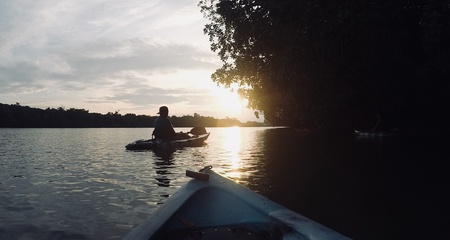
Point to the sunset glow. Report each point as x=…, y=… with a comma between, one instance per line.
x=230, y=102
x=125, y=56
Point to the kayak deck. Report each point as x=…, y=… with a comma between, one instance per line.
x=218, y=208
x=235, y=218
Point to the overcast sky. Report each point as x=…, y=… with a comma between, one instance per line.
x=130, y=56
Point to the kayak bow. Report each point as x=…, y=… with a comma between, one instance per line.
x=214, y=207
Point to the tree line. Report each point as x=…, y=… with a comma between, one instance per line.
x=321, y=64
x=17, y=116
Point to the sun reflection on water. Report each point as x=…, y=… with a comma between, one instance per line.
x=232, y=144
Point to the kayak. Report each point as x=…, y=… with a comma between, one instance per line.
x=211, y=206
x=152, y=144
x=372, y=134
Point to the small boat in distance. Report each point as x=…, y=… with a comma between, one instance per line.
x=376, y=134
x=214, y=207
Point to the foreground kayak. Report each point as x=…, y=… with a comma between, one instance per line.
x=152, y=144
x=214, y=207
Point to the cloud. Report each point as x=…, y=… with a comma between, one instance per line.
x=101, y=54
x=38, y=25
x=93, y=41
x=102, y=62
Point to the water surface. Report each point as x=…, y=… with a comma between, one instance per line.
x=83, y=184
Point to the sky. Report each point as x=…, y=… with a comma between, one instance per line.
x=130, y=56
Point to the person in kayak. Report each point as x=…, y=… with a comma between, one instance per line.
x=163, y=126
x=379, y=126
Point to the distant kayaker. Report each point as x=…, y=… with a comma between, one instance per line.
x=163, y=126
x=379, y=126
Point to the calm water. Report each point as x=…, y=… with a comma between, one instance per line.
x=83, y=184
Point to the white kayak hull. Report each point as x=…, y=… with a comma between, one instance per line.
x=214, y=207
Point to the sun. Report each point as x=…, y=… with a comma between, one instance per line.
x=229, y=101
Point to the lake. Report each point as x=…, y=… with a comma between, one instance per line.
x=83, y=184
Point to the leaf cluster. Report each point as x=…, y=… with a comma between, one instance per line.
x=333, y=64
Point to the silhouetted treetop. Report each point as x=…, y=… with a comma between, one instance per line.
x=334, y=64
x=17, y=116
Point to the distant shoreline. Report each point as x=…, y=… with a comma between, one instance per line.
x=17, y=116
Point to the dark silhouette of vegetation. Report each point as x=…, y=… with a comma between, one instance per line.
x=336, y=65
x=17, y=116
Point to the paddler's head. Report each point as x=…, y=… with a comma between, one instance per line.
x=163, y=111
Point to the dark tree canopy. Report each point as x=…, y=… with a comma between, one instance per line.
x=334, y=64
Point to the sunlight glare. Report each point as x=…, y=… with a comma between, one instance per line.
x=230, y=102
x=233, y=144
